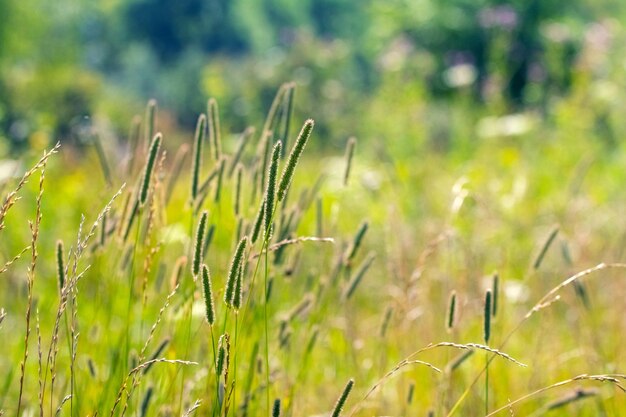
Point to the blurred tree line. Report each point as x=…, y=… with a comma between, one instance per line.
x=63, y=62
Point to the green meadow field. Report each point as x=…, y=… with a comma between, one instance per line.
x=326, y=227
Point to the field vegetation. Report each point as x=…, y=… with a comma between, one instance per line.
x=423, y=222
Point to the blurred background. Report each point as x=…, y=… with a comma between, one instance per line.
x=401, y=73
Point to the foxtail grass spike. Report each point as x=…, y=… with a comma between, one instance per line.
x=576, y=395
x=256, y=229
x=270, y=193
x=145, y=403
x=276, y=408
x=265, y=148
x=349, y=155
x=409, y=397
x=234, y=271
x=60, y=265
x=356, y=243
x=496, y=290
x=197, y=251
x=208, y=295
x=545, y=247
x=103, y=229
x=238, y=178
x=342, y=400
x=214, y=129
x=222, y=352
x=294, y=157
x=358, y=276
x=150, y=120
x=152, y=155
x=220, y=177
x=487, y=317
x=157, y=352
x=459, y=360
x=197, y=155
x=451, y=311
x=238, y=295
x=581, y=292
x=386, y=319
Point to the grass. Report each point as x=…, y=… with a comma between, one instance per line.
x=314, y=280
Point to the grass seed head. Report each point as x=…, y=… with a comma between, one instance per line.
x=349, y=155
x=487, y=317
x=197, y=155
x=150, y=121
x=294, y=157
x=238, y=179
x=208, y=295
x=147, y=176
x=276, y=408
x=451, y=311
x=214, y=129
x=270, y=193
x=342, y=399
x=60, y=265
x=199, y=245
x=496, y=291
x=356, y=243
x=231, y=283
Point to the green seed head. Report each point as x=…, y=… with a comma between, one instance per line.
x=208, y=295
x=197, y=252
x=237, y=297
x=151, y=109
x=214, y=128
x=358, y=276
x=147, y=176
x=233, y=273
x=294, y=157
x=349, y=154
x=276, y=408
x=223, y=347
x=270, y=193
x=356, y=243
x=238, y=179
x=487, y=316
x=197, y=155
x=342, y=400
x=60, y=265
x=496, y=290
x=451, y=311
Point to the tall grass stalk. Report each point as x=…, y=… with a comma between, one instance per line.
x=214, y=128
x=197, y=156
x=487, y=335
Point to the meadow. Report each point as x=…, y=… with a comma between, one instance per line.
x=150, y=279
x=382, y=208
